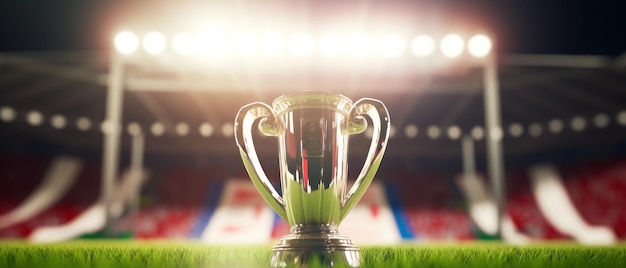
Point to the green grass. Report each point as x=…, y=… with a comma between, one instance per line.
x=98, y=253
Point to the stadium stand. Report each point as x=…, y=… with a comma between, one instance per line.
x=181, y=197
x=430, y=207
x=92, y=219
x=482, y=209
x=598, y=191
x=557, y=207
x=59, y=177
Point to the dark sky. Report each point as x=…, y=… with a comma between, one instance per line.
x=530, y=26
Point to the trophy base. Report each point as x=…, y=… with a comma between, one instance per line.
x=319, y=244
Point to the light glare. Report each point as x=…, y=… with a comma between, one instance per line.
x=245, y=44
x=184, y=44
x=301, y=45
x=206, y=130
x=452, y=45
x=479, y=46
x=58, y=121
x=423, y=46
x=391, y=45
x=83, y=123
x=214, y=42
x=126, y=42
x=332, y=45
x=273, y=44
x=154, y=43
x=361, y=45
x=7, y=114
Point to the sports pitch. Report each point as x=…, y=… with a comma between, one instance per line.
x=99, y=253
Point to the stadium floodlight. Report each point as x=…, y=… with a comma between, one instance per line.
x=391, y=45
x=433, y=132
x=423, y=45
x=7, y=114
x=228, y=130
x=272, y=43
x=134, y=129
x=301, y=45
x=245, y=44
x=214, y=42
x=184, y=44
x=478, y=133
x=206, y=130
x=58, y=121
x=154, y=43
x=332, y=45
x=411, y=131
x=157, y=129
x=361, y=45
x=556, y=125
x=578, y=123
x=126, y=42
x=535, y=129
x=601, y=120
x=479, y=46
x=621, y=118
x=34, y=118
x=454, y=132
x=182, y=129
x=452, y=45
x=83, y=123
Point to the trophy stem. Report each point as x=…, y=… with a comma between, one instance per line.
x=315, y=244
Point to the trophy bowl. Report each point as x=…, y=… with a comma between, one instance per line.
x=313, y=130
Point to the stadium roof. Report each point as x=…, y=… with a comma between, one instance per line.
x=68, y=76
x=73, y=84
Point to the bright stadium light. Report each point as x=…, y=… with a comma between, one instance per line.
x=206, y=130
x=535, y=129
x=433, y=132
x=601, y=120
x=556, y=125
x=134, y=129
x=301, y=45
x=423, y=46
x=245, y=44
x=83, y=123
x=621, y=118
x=228, y=130
x=578, y=123
x=361, y=45
x=391, y=45
x=7, y=114
x=154, y=43
x=58, y=121
x=454, y=132
x=214, y=42
x=452, y=45
x=272, y=43
x=157, y=129
x=411, y=131
x=34, y=118
x=478, y=133
x=332, y=45
x=126, y=42
x=479, y=46
x=184, y=44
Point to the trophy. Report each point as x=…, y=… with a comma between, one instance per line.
x=313, y=130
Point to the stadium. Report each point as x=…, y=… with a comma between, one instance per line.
x=121, y=139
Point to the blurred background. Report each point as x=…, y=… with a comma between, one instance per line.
x=183, y=69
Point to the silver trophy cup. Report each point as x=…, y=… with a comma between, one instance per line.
x=313, y=130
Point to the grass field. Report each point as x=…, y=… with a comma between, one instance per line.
x=97, y=253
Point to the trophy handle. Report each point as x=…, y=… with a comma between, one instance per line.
x=246, y=117
x=377, y=112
